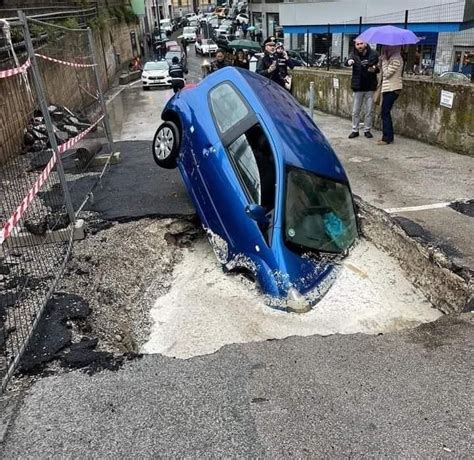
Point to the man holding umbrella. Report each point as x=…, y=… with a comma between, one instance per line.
x=364, y=62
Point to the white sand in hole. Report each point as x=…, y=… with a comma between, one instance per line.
x=206, y=309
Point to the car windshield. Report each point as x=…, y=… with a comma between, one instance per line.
x=160, y=65
x=319, y=214
x=189, y=30
x=208, y=42
x=172, y=54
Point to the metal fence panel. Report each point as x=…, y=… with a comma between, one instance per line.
x=53, y=124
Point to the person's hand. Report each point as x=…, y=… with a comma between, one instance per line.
x=272, y=68
x=371, y=69
x=350, y=62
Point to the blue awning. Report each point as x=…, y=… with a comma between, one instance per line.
x=354, y=28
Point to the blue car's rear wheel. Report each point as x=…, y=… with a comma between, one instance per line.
x=166, y=145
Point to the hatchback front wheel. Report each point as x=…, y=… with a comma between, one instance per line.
x=166, y=145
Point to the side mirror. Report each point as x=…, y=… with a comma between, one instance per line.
x=257, y=213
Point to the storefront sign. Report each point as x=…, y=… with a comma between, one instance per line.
x=447, y=98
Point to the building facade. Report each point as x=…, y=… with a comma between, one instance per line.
x=445, y=27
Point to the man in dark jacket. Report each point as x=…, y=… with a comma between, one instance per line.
x=219, y=62
x=176, y=72
x=364, y=63
x=270, y=65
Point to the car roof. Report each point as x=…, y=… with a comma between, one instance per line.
x=304, y=145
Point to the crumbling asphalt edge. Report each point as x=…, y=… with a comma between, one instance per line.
x=447, y=286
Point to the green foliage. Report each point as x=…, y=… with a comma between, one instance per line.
x=123, y=14
x=70, y=23
x=16, y=34
x=100, y=22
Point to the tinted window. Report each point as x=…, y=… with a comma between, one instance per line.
x=227, y=106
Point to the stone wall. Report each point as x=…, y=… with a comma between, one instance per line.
x=61, y=85
x=416, y=114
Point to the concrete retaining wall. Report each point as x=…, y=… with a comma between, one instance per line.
x=417, y=113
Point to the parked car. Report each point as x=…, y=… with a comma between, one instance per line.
x=223, y=41
x=189, y=33
x=172, y=44
x=297, y=58
x=179, y=54
x=205, y=46
x=159, y=37
x=165, y=24
x=454, y=77
x=268, y=188
x=155, y=73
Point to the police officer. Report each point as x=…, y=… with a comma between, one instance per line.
x=267, y=64
x=176, y=72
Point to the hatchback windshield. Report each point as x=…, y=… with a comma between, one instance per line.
x=319, y=214
x=189, y=30
x=160, y=65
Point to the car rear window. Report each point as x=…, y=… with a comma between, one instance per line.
x=227, y=106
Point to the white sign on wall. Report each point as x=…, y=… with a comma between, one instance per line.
x=447, y=98
x=335, y=82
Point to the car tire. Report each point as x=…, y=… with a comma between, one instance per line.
x=166, y=144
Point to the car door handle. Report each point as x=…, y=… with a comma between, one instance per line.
x=207, y=151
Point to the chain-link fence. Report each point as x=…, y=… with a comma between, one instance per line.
x=53, y=126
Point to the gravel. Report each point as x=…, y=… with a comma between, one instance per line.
x=121, y=271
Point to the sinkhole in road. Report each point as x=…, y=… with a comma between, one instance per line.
x=205, y=309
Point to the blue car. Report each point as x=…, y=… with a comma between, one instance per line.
x=268, y=188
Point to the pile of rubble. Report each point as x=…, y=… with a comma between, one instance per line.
x=66, y=125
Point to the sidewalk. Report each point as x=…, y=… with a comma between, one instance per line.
x=414, y=182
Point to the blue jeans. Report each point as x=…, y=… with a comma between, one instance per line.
x=387, y=125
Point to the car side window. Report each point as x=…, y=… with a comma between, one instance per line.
x=245, y=163
x=253, y=160
x=227, y=106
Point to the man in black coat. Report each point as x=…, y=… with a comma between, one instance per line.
x=270, y=65
x=364, y=63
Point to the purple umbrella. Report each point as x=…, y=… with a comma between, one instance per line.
x=388, y=35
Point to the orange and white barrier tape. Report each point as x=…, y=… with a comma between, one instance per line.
x=15, y=71
x=21, y=209
x=59, y=61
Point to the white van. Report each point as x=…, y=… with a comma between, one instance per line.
x=165, y=25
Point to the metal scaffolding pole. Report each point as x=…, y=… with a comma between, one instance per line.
x=108, y=130
x=40, y=92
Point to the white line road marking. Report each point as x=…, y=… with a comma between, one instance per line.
x=419, y=208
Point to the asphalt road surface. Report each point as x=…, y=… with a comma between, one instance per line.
x=391, y=396
x=403, y=395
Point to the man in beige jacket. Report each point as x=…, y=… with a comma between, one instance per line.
x=392, y=68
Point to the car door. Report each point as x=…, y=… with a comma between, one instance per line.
x=230, y=172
